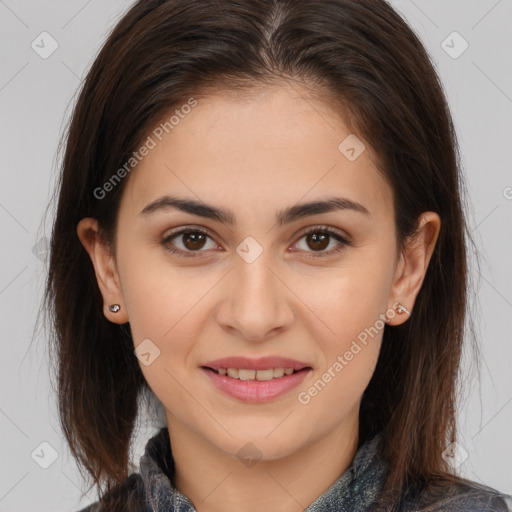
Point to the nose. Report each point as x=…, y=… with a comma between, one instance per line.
x=256, y=301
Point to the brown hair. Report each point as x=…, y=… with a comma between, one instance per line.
x=360, y=52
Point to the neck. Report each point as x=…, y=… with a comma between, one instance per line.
x=215, y=480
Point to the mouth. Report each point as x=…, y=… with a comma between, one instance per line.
x=259, y=375
x=255, y=380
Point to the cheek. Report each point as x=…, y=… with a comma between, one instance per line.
x=157, y=294
x=350, y=347
x=349, y=297
x=338, y=389
x=349, y=304
x=160, y=302
x=165, y=304
x=161, y=306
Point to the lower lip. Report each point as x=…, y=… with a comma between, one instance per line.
x=256, y=390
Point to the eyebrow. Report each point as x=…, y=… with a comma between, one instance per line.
x=285, y=216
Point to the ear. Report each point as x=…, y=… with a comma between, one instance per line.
x=104, y=267
x=412, y=266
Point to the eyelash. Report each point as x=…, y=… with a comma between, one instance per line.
x=325, y=230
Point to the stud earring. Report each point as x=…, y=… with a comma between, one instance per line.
x=401, y=309
x=114, y=308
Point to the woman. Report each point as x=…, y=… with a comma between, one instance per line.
x=260, y=224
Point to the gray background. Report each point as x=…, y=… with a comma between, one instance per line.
x=36, y=95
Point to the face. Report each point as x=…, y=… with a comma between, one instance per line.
x=311, y=287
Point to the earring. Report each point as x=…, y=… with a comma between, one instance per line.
x=114, y=308
x=402, y=309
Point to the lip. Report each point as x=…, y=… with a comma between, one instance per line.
x=262, y=363
x=254, y=390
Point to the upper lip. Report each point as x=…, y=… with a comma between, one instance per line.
x=262, y=363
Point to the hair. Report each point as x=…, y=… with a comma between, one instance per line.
x=362, y=58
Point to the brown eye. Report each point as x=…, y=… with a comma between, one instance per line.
x=193, y=240
x=318, y=239
x=187, y=242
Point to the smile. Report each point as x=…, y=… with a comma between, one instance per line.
x=248, y=374
x=249, y=385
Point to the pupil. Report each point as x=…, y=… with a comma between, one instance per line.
x=196, y=240
x=320, y=240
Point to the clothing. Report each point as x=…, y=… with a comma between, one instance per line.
x=355, y=490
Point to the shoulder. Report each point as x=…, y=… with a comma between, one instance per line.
x=463, y=496
x=129, y=496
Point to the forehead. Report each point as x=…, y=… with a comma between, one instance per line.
x=281, y=145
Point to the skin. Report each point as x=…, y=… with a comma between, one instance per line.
x=255, y=157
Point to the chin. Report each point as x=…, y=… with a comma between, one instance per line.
x=256, y=443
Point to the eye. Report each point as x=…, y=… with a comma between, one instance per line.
x=319, y=238
x=193, y=240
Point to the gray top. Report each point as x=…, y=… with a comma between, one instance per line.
x=356, y=490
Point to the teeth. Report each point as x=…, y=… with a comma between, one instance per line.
x=265, y=374
x=278, y=372
x=245, y=374
x=232, y=372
